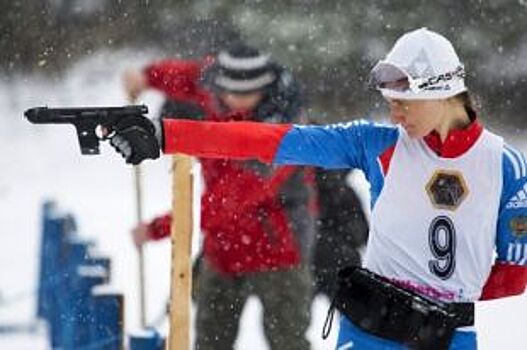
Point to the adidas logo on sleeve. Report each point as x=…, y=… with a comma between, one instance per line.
x=519, y=200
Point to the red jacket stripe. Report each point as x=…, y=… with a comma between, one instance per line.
x=224, y=140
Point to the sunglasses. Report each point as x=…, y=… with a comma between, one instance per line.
x=398, y=85
x=420, y=84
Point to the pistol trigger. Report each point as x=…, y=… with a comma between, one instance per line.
x=104, y=133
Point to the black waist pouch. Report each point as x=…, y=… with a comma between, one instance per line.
x=379, y=307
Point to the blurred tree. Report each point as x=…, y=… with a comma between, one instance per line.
x=330, y=45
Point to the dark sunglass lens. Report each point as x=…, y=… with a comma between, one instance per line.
x=398, y=85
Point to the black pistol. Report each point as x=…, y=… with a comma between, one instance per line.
x=86, y=120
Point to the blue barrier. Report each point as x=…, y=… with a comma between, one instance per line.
x=68, y=272
x=82, y=313
x=76, y=316
x=56, y=231
x=148, y=339
x=73, y=255
x=52, y=239
x=108, y=317
x=103, y=261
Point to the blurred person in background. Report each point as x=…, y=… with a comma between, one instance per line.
x=342, y=228
x=257, y=228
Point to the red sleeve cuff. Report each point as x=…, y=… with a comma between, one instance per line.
x=505, y=280
x=233, y=140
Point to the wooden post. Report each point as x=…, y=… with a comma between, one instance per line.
x=181, y=271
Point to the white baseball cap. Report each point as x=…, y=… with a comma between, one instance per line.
x=422, y=65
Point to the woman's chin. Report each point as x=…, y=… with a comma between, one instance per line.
x=411, y=131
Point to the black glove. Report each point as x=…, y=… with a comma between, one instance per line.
x=135, y=139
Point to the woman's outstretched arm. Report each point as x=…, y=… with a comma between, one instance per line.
x=331, y=146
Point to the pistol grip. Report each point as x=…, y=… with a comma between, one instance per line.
x=88, y=139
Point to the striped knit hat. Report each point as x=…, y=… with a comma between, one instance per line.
x=243, y=69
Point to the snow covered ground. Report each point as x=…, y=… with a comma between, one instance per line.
x=40, y=162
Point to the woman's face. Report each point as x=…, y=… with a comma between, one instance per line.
x=417, y=117
x=241, y=102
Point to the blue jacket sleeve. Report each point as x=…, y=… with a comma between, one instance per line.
x=511, y=239
x=349, y=145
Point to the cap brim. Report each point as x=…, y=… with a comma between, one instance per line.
x=423, y=95
x=384, y=72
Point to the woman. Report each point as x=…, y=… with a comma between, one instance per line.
x=446, y=194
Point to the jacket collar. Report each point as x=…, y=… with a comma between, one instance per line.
x=457, y=142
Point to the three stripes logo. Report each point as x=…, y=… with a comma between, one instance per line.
x=518, y=162
x=519, y=200
x=517, y=253
x=519, y=166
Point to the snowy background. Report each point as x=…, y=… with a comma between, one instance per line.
x=42, y=162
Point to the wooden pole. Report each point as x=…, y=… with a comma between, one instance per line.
x=181, y=272
x=140, y=256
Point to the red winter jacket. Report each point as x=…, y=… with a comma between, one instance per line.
x=246, y=225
